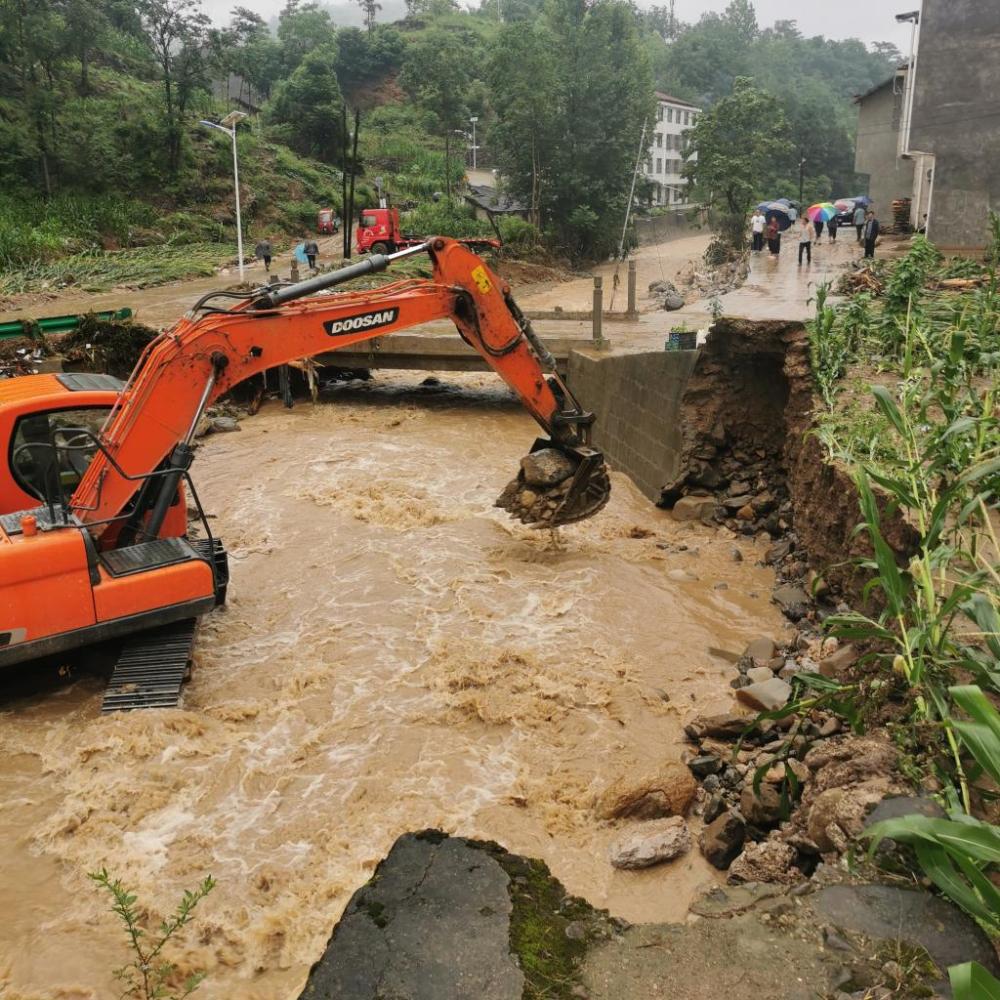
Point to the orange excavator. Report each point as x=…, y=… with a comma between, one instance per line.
x=114, y=559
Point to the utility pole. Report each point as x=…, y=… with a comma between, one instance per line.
x=474, y=119
x=228, y=125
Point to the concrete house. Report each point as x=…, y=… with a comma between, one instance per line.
x=880, y=119
x=940, y=113
x=663, y=167
x=954, y=124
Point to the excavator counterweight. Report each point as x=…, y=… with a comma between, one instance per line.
x=113, y=559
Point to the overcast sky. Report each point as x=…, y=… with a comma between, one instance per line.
x=869, y=20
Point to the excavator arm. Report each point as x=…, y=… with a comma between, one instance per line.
x=145, y=446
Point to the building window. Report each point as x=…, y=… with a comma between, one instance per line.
x=659, y=113
x=659, y=140
x=677, y=194
x=670, y=114
x=659, y=166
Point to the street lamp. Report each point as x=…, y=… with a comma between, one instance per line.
x=474, y=146
x=228, y=125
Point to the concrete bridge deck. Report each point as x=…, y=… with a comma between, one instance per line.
x=438, y=350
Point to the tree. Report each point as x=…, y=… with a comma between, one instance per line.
x=743, y=18
x=302, y=28
x=574, y=163
x=520, y=69
x=436, y=74
x=370, y=9
x=364, y=59
x=733, y=149
x=175, y=31
x=306, y=109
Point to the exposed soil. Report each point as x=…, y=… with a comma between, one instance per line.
x=747, y=416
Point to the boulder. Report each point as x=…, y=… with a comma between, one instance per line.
x=672, y=302
x=765, y=696
x=760, y=650
x=651, y=843
x=722, y=840
x=693, y=508
x=758, y=675
x=761, y=808
x=667, y=791
x=222, y=425
x=704, y=765
x=546, y=468
x=769, y=861
x=837, y=664
x=722, y=727
x=794, y=601
x=777, y=552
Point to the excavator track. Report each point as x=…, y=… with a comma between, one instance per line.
x=151, y=668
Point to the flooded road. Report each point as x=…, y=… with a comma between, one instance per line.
x=396, y=654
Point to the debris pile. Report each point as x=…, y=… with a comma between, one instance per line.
x=666, y=296
x=543, y=493
x=111, y=346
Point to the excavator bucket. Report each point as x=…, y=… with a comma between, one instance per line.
x=557, y=485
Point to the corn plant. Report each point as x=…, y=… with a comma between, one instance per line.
x=147, y=976
x=829, y=349
x=970, y=981
x=959, y=854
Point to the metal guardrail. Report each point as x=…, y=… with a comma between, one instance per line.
x=58, y=324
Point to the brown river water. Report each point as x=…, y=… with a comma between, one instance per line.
x=396, y=654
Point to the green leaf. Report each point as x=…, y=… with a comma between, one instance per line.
x=888, y=406
x=970, y=981
x=975, y=704
x=941, y=870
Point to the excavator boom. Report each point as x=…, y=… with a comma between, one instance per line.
x=115, y=560
x=210, y=351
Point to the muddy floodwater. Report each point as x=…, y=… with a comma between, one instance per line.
x=396, y=654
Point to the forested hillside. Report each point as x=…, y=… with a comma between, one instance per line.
x=100, y=101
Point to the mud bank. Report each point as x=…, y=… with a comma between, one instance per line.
x=747, y=412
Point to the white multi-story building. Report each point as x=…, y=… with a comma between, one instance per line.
x=666, y=160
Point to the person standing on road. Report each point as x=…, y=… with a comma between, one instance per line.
x=818, y=226
x=872, y=230
x=757, y=223
x=312, y=251
x=831, y=228
x=263, y=252
x=859, y=221
x=774, y=237
x=805, y=241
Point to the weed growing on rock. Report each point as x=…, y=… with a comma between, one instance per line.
x=147, y=976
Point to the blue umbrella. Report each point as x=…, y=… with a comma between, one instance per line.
x=862, y=200
x=777, y=210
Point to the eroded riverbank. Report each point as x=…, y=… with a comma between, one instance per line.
x=396, y=654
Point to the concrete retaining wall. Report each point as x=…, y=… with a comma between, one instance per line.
x=637, y=399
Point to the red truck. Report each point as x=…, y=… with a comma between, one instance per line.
x=379, y=231
x=327, y=221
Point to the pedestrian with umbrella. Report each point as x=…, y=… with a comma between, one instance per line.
x=872, y=230
x=773, y=236
x=820, y=213
x=859, y=219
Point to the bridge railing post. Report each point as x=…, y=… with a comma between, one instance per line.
x=631, y=288
x=597, y=316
